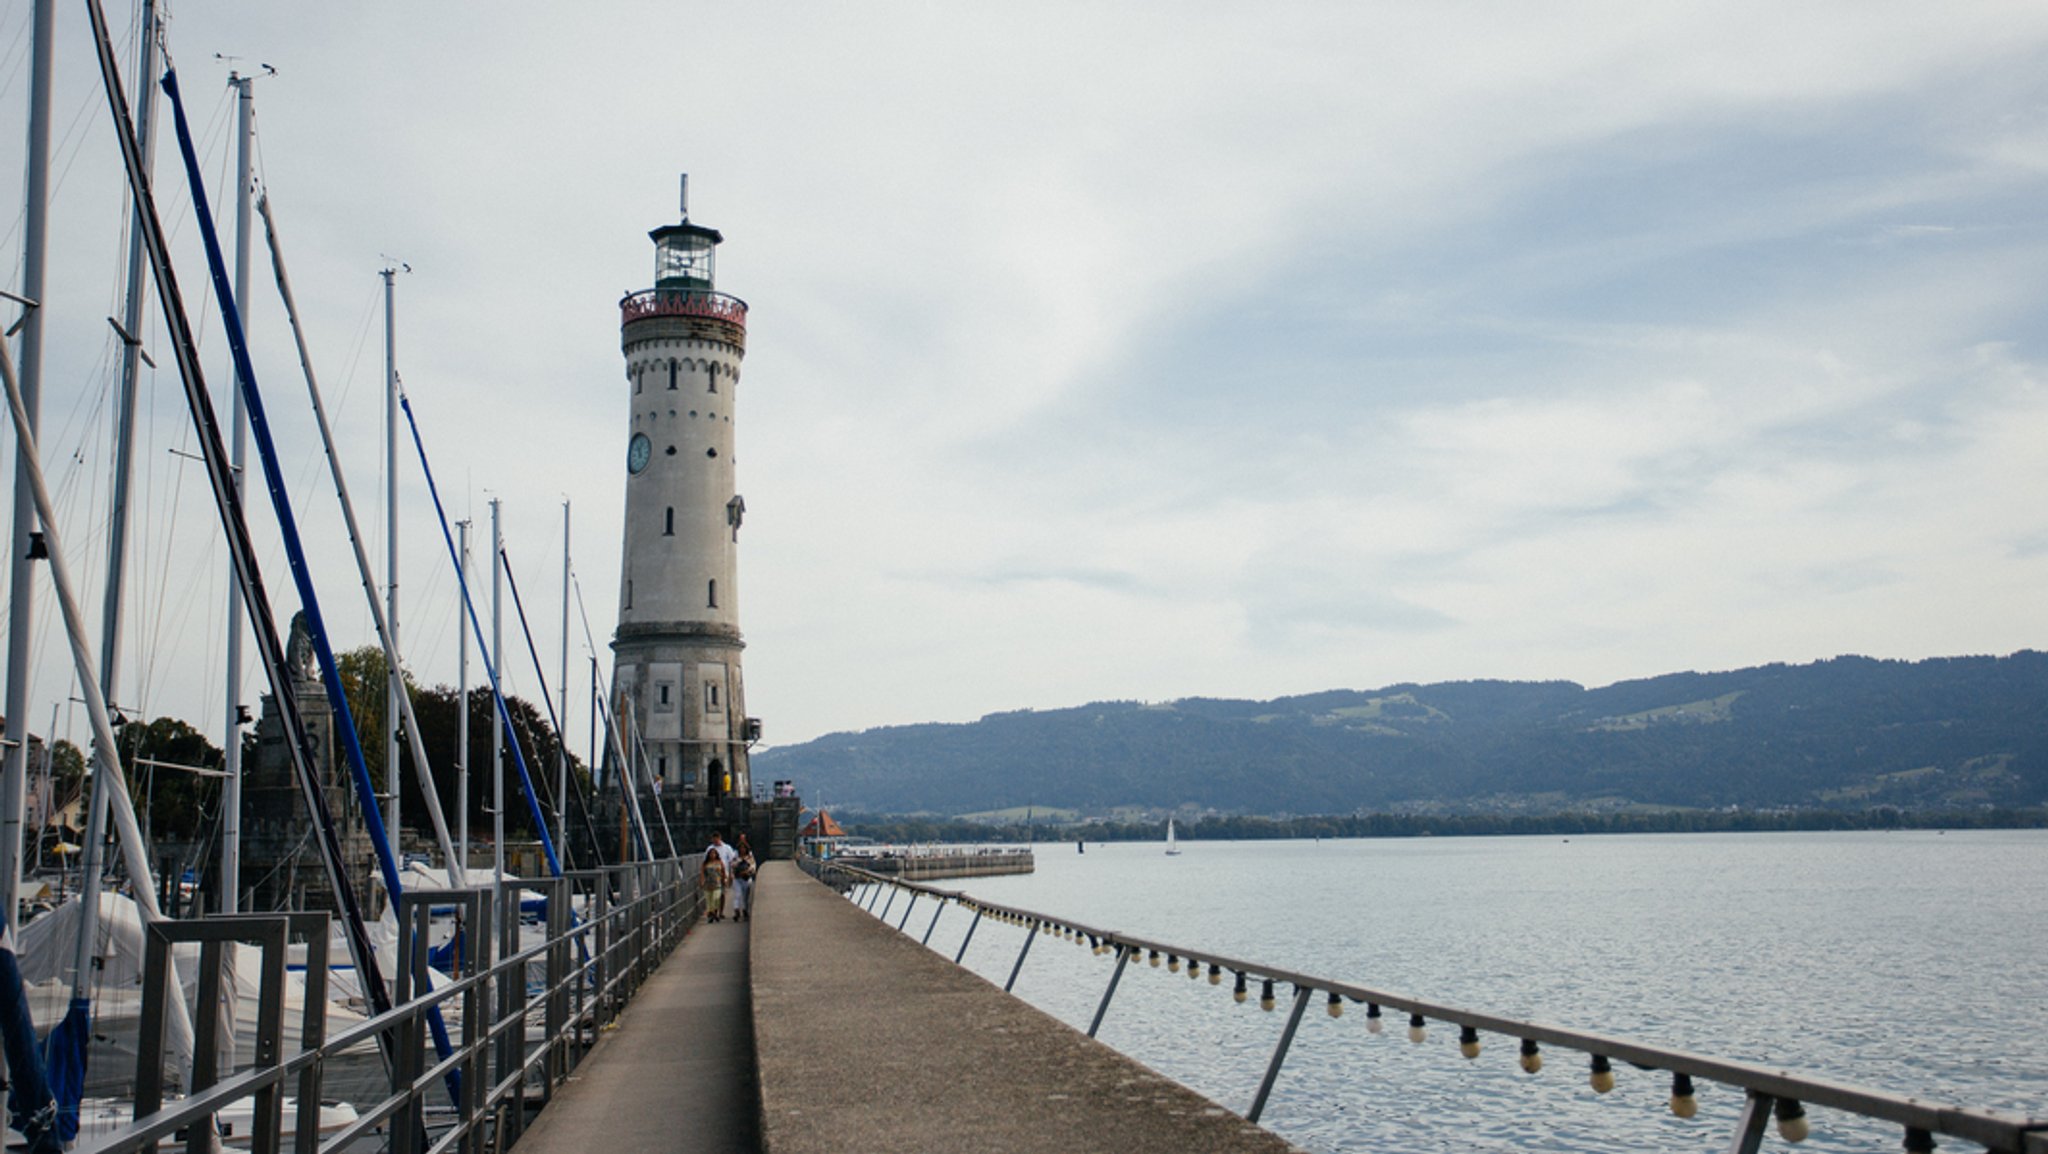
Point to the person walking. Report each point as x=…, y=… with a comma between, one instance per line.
x=742, y=880
x=711, y=879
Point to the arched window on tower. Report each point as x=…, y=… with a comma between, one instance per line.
x=711, y=595
x=712, y=377
x=673, y=368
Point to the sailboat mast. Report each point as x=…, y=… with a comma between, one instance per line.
x=21, y=603
x=462, y=713
x=231, y=801
x=117, y=530
x=497, y=662
x=562, y=729
x=394, y=681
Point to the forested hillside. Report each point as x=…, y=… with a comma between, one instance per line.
x=1850, y=733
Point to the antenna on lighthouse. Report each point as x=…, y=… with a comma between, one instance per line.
x=685, y=196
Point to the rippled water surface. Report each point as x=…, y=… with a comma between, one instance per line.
x=1915, y=962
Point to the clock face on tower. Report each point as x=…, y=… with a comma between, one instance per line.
x=637, y=453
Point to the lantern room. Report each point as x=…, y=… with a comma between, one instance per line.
x=683, y=256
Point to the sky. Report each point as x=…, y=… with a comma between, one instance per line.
x=1116, y=351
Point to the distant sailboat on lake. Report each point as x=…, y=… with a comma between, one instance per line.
x=1172, y=844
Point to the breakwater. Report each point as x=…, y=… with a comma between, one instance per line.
x=917, y=864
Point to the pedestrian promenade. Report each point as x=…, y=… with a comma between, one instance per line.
x=675, y=1075
x=867, y=1040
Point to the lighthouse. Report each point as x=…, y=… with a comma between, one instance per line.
x=677, y=691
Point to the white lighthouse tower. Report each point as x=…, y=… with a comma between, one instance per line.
x=676, y=680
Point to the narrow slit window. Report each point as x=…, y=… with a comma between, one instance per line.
x=668, y=522
x=673, y=368
x=711, y=594
x=712, y=379
x=711, y=695
x=629, y=593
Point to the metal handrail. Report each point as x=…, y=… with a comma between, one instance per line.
x=1767, y=1091
x=636, y=916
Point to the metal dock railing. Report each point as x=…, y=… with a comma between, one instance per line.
x=1767, y=1093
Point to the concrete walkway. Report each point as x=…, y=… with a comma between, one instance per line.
x=867, y=1041
x=676, y=1074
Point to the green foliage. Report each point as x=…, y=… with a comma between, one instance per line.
x=173, y=804
x=67, y=770
x=364, y=680
x=1852, y=733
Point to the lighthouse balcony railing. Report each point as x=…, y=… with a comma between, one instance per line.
x=660, y=302
x=1767, y=1092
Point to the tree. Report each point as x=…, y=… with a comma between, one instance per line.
x=158, y=756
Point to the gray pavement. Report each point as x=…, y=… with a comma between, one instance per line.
x=676, y=1074
x=868, y=1041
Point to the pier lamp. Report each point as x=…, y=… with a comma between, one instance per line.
x=1215, y=974
x=1373, y=1024
x=1152, y=958
x=1532, y=1057
x=1173, y=963
x=1418, y=1030
x=1602, y=1077
x=1266, y=995
x=1336, y=1004
x=1238, y=994
x=1468, y=1042
x=1195, y=970
x=1683, y=1104
x=1792, y=1125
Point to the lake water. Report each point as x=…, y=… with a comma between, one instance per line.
x=1915, y=962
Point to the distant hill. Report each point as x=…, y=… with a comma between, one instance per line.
x=1849, y=733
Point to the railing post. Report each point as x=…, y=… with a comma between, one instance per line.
x=1301, y=995
x=556, y=1068
x=969, y=937
x=1749, y=1129
x=1123, y=958
x=1030, y=935
x=510, y=1017
x=889, y=903
x=927, y=939
x=907, y=907
x=313, y=927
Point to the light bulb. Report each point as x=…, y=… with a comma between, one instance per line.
x=1373, y=1024
x=1532, y=1057
x=1238, y=995
x=1173, y=963
x=1792, y=1125
x=1468, y=1042
x=1215, y=974
x=1418, y=1030
x=1266, y=995
x=1602, y=1078
x=1195, y=969
x=1683, y=1104
x=1153, y=957
x=1336, y=1005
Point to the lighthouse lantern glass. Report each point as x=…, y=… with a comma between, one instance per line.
x=683, y=262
